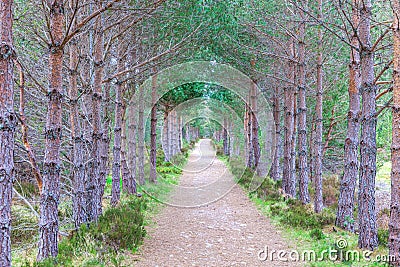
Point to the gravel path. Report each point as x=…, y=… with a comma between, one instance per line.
x=210, y=221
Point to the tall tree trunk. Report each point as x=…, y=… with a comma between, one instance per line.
x=180, y=131
x=171, y=139
x=344, y=216
x=225, y=138
x=394, y=224
x=119, y=114
x=141, y=138
x=368, y=238
x=105, y=142
x=302, y=112
x=8, y=121
x=48, y=222
x=153, y=131
x=166, y=138
x=289, y=171
x=187, y=133
x=318, y=198
x=250, y=154
x=78, y=167
x=254, y=129
x=94, y=194
x=132, y=144
x=276, y=168
x=126, y=174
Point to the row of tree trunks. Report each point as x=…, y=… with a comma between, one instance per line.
x=172, y=133
x=344, y=216
x=7, y=119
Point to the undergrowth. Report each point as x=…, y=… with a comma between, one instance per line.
x=308, y=230
x=119, y=232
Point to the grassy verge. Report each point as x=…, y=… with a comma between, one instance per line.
x=307, y=231
x=120, y=231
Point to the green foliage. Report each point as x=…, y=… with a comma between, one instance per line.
x=383, y=237
x=122, y=227
x=295, y=214
x=317, y=234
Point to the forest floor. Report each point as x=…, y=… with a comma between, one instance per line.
x=209, y=221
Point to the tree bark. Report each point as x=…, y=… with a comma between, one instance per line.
x=119, y=114
x=318, y=198
x=141, y=138
x=105, y=142
x=48, y=222
x=78, y=167
x=132, y=145
x=394, y=223
x=368, y=238
x=153, y=131
x=126, y=175
x=344, y=216
x=94, y=205
x=289, y=171
x=276, y=168
x=302, y=111
x=254, y=128
x=249, y=144
x=7, y=130
x=166, y=138
x=225, y=138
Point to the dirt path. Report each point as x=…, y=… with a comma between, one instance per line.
x=227, y=232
